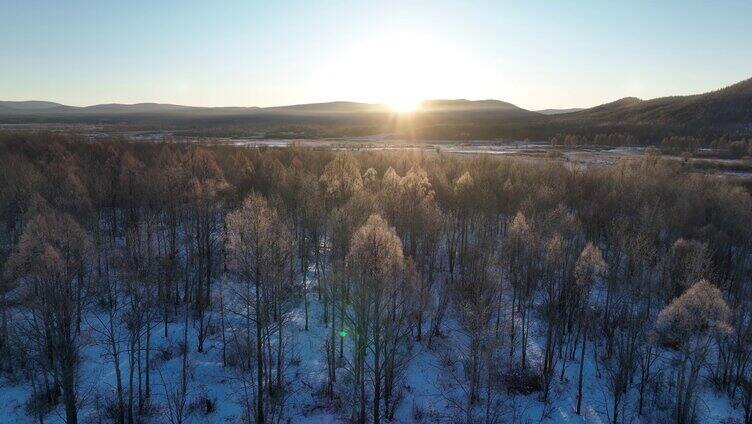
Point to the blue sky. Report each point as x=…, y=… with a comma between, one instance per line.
x=246, y=53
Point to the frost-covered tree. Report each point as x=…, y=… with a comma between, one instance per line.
x=206, y=190
x=259, y=249
x=50, y=263
x=475, y=302
x=375, y=262
x=690, y=323
x=409, y=203
x=341, y=178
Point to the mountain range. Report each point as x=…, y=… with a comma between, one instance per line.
x=724, y=111
x=56, y=109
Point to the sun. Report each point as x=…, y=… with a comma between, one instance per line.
x=398, y=69
x=404, y=105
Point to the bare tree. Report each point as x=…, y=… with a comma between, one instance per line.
x=521, y=258
x=590, y=267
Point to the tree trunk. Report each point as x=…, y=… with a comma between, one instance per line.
x=582, y=366
x=259, y=359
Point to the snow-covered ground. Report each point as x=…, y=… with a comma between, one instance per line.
x=430, y=383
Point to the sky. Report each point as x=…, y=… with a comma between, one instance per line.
x=547, y=54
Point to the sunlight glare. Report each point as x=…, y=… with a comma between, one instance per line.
x=399, y=69
x=405, y=105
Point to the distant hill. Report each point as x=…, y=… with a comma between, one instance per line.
x=728, y=106
x=38, y=107
x=559, y=111
x=56, y=109
x=338, y=112
x=462, y=104
x=327, y=108
x=725, y=111
x=135, y=108
x=29, y=105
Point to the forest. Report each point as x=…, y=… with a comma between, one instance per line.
x=156, y=282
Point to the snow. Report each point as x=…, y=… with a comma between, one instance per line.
x=430, y=383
